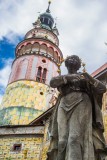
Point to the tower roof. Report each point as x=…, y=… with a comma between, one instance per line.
x=46, y=18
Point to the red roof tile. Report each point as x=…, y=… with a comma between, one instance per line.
x=99, y=70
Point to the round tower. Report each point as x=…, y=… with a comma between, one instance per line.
x=38, y=59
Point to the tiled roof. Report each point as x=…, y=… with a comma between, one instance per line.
x=99, y=70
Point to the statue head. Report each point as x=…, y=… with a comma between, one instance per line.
x=73, y=63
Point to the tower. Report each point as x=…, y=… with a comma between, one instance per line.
x=37, y=60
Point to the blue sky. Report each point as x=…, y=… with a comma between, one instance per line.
x=6, y=51
x=82, y=26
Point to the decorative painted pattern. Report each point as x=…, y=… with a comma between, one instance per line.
x=23, y=102
x=31, y=148
x=42, y=33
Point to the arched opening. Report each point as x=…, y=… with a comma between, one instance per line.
x=43, y=48
x=58, y=59
x=51, y=51
x=28, y=48
x=56, y=55
x=35, y=47
x=18, y=52
x=44, y=75
x=21, y=50
x=39, y=73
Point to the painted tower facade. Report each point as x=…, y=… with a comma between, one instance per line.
x=38, y=59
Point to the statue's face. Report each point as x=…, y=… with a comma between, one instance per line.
x=72, y=64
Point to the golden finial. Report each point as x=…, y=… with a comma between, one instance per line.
x=59, y=64
x=62, y=60
x=48, y=10
x=46, y=36
x=83, y=65
x=58, y=70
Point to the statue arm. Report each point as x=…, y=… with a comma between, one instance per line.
x=97, y=86
x=58, y=81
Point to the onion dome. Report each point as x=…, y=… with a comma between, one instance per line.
x=46, y=19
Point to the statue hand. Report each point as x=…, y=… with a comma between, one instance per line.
x=88, y=77
x=73, y=77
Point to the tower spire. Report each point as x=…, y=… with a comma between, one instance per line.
x=48, y=9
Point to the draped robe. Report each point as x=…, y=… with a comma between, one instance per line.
x=77, y=127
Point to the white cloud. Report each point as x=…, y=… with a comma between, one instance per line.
x=4, y=75
x=82, y=26
x=84, y=31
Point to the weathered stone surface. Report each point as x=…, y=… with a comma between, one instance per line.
x=21, y=130
x=77, y=126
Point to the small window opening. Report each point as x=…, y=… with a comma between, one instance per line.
x=38, y=78
x=17, y=147
x=44, y=75
x=41, y=93
x=44, y=61
x=46, y=20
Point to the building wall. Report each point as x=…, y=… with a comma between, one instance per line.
x=46, y=141
x=31, y=147
x=23, y=102
x=26, y=67
x=25, y=97
x=104, y=111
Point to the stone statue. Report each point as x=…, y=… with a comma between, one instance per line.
x=76, y=127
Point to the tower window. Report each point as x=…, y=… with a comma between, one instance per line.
x=42, y=19
x=59, y=59
x=35, y=47
x=17, y=147
x=56, y=55
x=50, y=24
x=28, y=48
x=39, y=73
x=44, y=75
x=46, y=20
x=43, y=48
x=51, y=51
